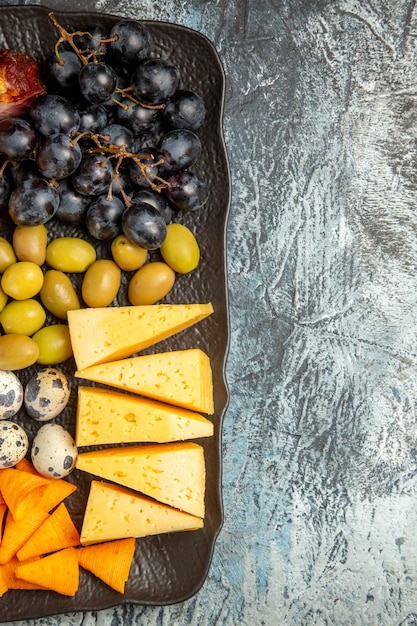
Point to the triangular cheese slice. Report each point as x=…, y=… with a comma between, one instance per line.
x=113, y=512
x=105, y=416
x=99, y=335
x=172, y=473
x=181, y=377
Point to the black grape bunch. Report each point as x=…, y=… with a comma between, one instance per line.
x=111, y=144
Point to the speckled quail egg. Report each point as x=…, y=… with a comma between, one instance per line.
x=11, y=394
x=13, y=444
x=53, y=452
x=46, y=394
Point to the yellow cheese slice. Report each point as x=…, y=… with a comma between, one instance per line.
x=105, y=416
x=181, y=377
x=113, y=512
x=99, y=335
x=172, y=473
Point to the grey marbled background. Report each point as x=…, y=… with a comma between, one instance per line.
x=319, y=441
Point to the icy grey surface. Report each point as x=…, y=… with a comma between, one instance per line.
x=319, y=441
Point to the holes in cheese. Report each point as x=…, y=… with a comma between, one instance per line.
x=172, y=473
x=181, y=377
x=100, y=335
x=113, y=512
x=105, y=417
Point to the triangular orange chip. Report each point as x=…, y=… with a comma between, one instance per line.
x=16, y=485
x=58, y=571
x=110, y=561
x=3, y=583
x=56, y=492
x=17, y=532
x=56, y=532
x=3, y=509
x=8, y=570
x=57, y=489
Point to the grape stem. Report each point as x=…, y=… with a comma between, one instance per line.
x=5, y=164
x=85, y=56
x=120, y=153
x=126, y=93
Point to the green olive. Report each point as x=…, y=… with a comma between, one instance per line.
x=151, y=283
x=128, y=256
x=7, y=255
x=101, y=283
x=17, y=352
x=58, y=294
x=180, y=249
x=29, y=243
x=54, y=344
x=70, y=254
x=22, y=280
x=23, y=317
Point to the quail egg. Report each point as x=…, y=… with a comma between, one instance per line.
x=53, y=452
x=11, y=394
x=13, y=444
x=46, y=394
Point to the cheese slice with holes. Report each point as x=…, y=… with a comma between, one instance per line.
x=114, y=512
x=108, y=417
x=172, y=473
x=181, y=377
x=99, y=335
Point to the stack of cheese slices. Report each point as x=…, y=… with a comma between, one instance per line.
x=138, y=421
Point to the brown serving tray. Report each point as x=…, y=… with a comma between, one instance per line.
x=172, y=567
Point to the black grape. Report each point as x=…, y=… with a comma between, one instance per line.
x=5, y=191
x=179, y=150
x=72, y=205
x=103, y=218
x=138, y=118
x=63, y=73
x=58, y=157
x=93, y=117
x=18, y=139
x=33, y=203
x=97, y=82
x=93, y=176
x=51, y=114
x=117, y=135
x=186, y=191
x=185, y=109
x=144, y=225
x=23, y=170
x=133, y=41
x=156, y=200
x=155, y=80
x=92, y=38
